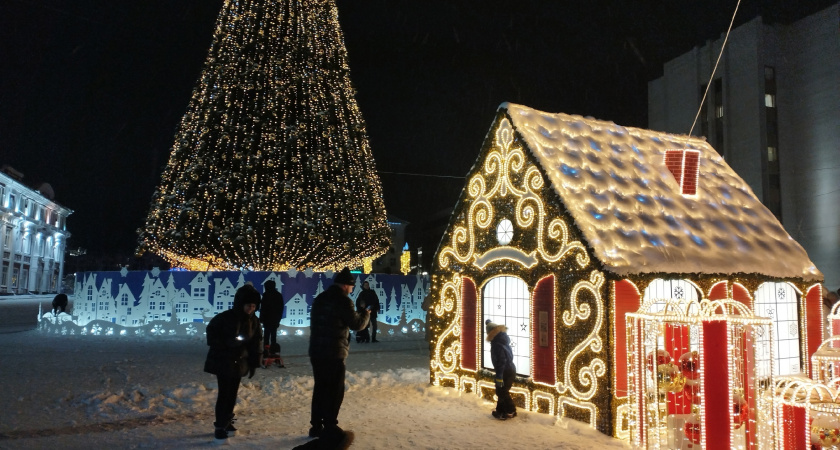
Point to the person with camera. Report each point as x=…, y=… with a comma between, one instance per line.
x=235, y=341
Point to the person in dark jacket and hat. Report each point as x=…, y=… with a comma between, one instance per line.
x=271, y=310
x=235, y=341
x=368, y=299
x=502, y=356
x=332, y=316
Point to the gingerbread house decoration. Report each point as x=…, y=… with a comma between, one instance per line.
x=568, y=223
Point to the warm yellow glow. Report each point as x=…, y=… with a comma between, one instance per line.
x=270, y=167
x=405, y=262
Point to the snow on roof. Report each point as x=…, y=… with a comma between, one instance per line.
x=614, y=182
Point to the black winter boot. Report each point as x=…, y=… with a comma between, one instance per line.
x=220, y=434
x=230, y=429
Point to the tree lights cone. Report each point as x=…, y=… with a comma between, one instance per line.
x=271, y=167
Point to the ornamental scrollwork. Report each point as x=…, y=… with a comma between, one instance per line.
x=588, y=374
x=505, y=160
x=446, y=357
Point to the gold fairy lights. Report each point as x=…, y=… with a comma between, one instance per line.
x=507, y=185
x=271, y=167
x=649, y=393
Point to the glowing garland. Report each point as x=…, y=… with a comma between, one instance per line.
x=529, y=211
x=646, y=385
x=271, y=167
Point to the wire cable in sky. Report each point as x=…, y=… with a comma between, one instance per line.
x=422, y=175
x=712, y=77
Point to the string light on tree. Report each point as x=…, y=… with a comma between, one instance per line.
x=271, y=167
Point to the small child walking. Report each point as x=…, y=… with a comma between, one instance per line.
x=502, y=356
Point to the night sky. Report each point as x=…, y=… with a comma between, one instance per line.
x=91, y=91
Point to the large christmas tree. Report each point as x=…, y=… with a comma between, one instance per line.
x=271, y=167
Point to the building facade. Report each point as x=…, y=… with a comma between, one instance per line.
x=389, y=262
x=33, y=237
x=773, y=112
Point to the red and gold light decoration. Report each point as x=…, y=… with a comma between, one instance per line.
x=825, y=362
x=806, y=412
x=271, y=167
x=698, y=371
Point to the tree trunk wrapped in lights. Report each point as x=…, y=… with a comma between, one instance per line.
x=271, y=166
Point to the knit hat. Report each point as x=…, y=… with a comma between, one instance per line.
x=344, y=277
x=493, y=329
x=490, y=326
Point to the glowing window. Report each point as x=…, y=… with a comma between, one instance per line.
x=660, y=289
x=778, y=302
x=504, y=232
x=506, y=301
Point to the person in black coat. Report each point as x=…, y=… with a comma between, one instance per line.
x=59, y=302
x=502, y=357
x=331, y=318
x=368, y=299
x=235, y=341
x=271, y=310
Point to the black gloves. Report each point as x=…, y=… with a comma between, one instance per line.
x=499, y=383
x=251, y=372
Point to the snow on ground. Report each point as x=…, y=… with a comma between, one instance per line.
x=128, y=392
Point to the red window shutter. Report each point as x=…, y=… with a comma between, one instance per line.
x=627, y=299
x=469, y=335
x=741, y=294
x=813, y=320
x=718, y=291
x=544, y=357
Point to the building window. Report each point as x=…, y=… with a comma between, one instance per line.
x=12, y=203
x=506, y=301
x=778, y=301
x=152, y=305
x=770, y=100
x=772, y=154
x=124, y=299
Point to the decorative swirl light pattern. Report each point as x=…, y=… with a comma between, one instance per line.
x=447, y=359
x=502, y=162
x=587, y=375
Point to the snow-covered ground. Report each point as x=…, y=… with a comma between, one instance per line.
x=129, y=392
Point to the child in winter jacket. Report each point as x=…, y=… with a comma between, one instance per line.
x=502, y=356
x=235, y=341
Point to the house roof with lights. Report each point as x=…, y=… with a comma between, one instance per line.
x=649, y=201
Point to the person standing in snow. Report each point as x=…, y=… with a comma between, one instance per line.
x=332, y=316
x=235, y=341
x=502, y=356
x=271, y=310
x=59, y=302
x=368, y=299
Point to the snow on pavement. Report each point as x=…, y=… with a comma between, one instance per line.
x=128, y=392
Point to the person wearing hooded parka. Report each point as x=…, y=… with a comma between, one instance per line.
x=235, y=341
x=502, y=357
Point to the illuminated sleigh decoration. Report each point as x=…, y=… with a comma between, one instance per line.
x=807, y=412
x=697, y=374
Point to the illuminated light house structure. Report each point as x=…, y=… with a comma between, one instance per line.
x=567, y=224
